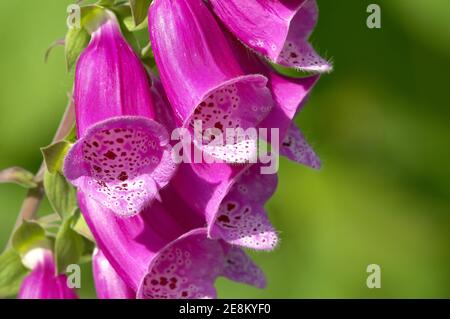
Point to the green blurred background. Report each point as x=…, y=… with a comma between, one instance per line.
x=380, y=123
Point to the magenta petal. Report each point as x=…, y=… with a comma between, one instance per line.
x=129, y=244
x=108, y=283
x=42, y=283
x=290, y=95
x=188, y=267
x=296, y=148
x=201, y=72
x=241, y=218
x=110, y=80
x=279, y=30
x=242, y=269
x=122, y=163
x=163, y=111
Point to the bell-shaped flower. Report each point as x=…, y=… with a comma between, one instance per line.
x=43, y=282
x=233, y=208
x=278, y=30
x=108, y=283
x=158, y=255
x=204, y=79
x=122, y=158
x=241, y=218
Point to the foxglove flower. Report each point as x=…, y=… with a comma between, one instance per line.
x=42, y=282
x=232, y=207
x=205, y=80
x=278, y=30
x=157, y=255
x=241, y=218
x=108, y=283
x=122, y=158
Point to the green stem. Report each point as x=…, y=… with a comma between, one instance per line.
x=32, y=201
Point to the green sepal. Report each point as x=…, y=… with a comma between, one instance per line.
x=81, y=227
x=75, y=42
x=61, y=195
x=77, y=38
x=54, y=155
x=72, y=136
x=69, y=245
x=123, y=13
x=12, y=273
x=29, y=235
x=139, y=10
x=131, y=26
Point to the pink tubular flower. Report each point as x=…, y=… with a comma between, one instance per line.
x=278, y=30
x=241, y=218
x=158, y=255
x=108, y=283
x=233, y=207
x=204, y=79
x=42, y=283
x=122, y=158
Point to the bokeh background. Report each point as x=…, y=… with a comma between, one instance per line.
x=380, y=122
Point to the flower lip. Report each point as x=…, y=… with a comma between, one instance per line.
x=232, y=204
x=255, y=81
x=141, y=293
x=188, y=267
x=224, y=119
x=122, y=162
x=240, y=218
